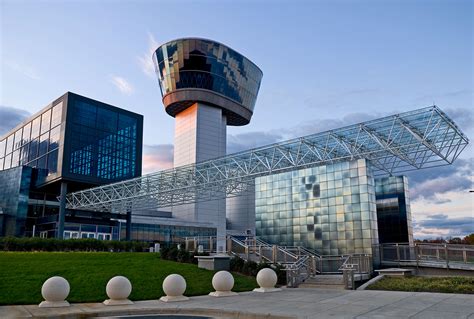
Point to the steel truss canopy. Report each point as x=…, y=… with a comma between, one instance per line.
x=398, y=143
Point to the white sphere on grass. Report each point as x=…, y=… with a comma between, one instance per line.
x=55, y=289
x=174, y=285
x=267, y=278
x=223, y=281
x=118, y=288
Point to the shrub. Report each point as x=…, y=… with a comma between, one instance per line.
x=53, y=244
x=251, y=268
x=237, y=264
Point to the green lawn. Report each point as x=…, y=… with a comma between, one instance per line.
x=22, y=275
x=463, y=285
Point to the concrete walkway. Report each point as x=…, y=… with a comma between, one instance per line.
x=289, y=303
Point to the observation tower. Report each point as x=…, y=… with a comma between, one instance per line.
x=205, y=86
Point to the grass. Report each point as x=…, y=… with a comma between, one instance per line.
x=23, y=274
x=462, y=285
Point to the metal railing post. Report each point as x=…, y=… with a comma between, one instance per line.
x=398, y=254
x=446, y=256
x=274, y=254
x=229, y=245
x=464, y=255
x=260, y=252
x=416, y=256
x=210, y=244
x=186, y=244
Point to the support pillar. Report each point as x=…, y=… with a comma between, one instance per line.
x=128, y=229
x=62, y=210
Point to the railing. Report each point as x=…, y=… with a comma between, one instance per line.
x=299, y=262
x=355, y=264
x=431, y=255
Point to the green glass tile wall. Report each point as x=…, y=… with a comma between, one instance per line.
x=329, y=208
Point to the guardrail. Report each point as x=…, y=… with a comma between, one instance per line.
x=428, y=255
x=355, y=264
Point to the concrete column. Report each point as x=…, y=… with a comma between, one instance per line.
x=128, y=229
x=62, y=210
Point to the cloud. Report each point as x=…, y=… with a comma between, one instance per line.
x=463, y=117
x=157, y=157
x=249, y=140
x=430, y=184
x=11, y=117
x=245, y=141
x=441, y=225
x=146, y=61
x=123, y=85
x=26, y=70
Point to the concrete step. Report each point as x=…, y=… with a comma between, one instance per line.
x=321, y=286
x=324, y=281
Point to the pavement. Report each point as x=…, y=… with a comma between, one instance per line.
x=288, y=303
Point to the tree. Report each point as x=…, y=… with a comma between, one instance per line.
x=469, y=239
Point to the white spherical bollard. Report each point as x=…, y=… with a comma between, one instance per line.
x=118, y=289
x=223, y=282
x=174, y=286
x=55, y=291
x=267, y=279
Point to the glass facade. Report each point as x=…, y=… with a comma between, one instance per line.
x=76, y=140
x=14, y=195
x=329, y=208
x=205, y=64
x=103, y=142
x=166, y=233
x=393, y=210
x=36, y=143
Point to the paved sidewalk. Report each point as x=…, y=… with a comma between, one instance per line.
x=289, y=303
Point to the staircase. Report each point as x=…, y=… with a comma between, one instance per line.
x=304, y=267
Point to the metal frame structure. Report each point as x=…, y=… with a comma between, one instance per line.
x=407, y=141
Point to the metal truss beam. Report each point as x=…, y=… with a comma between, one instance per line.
x=412, y=140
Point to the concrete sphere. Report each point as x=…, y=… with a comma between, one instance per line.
x=223, y=281
x=55, y=289
x=174, y=285
x=118, y=288
x=267, y=278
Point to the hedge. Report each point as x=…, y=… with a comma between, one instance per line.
x=53, y=244
x=180, y=255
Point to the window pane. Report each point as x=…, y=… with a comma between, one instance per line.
x=42, y=162
x=15, y=158
x=56, y=116
x=2, y=148
x=8, y=161
x=43, y=146
x=54, y=138
x=18, y=139
x=26, y=133
x=9, y=144
x=46, y=121
x=35, y=128
x=53, y=162
x=33, y=153
x=24, y=154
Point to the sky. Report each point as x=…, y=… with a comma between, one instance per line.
x=325, y=63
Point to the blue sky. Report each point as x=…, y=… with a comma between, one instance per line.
x=325, y=64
